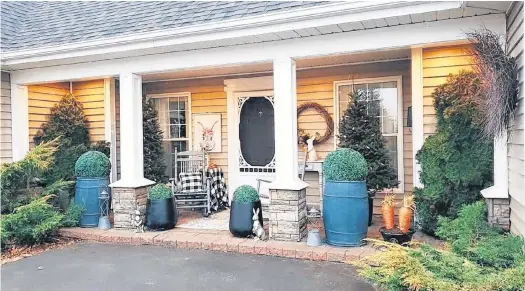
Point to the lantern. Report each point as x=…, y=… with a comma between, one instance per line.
x=103, y=221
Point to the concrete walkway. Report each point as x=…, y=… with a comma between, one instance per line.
x=88, y=266
x=222, y=241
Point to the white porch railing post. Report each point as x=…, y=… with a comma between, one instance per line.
x=131, y=136
x=285, y=114
x=20, y=113
x=418, y=136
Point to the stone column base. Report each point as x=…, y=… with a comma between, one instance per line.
x=499, y=212
x=124, y=202
x=288, y=215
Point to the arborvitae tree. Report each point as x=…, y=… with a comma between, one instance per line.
x=456, y=162
x=67, y=121
x=154, y=166
x=361, y=132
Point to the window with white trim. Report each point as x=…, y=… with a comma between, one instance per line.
x=174, y=112
x=384, y=100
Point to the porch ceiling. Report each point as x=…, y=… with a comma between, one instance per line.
x=302, y=64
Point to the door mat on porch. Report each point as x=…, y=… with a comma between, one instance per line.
x=216, y=221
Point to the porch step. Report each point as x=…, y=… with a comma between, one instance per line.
x=192, y=200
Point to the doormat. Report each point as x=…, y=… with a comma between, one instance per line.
x=216, y=221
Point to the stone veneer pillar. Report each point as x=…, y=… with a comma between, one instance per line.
x=288, y=215
x=499, y=211
x=124, y=202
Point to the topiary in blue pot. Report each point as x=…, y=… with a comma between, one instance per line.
x=345, y=199
x=245, y=200
x=161, y=213
x=92, y=170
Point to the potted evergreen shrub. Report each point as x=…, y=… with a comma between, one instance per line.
x=245, y=200
x=345, y=199
x=92, y=171
x=361, y=132
x=160, y=209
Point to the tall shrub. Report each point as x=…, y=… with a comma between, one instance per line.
x=67, y=121
x=154, y=166
x=456, y=162
x=361, y=132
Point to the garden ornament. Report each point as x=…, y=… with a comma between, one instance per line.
x=257, y=229
x=138, y=220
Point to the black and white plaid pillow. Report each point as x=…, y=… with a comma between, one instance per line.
x=191, y=182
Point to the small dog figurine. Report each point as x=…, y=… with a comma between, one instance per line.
x=257, y=229
x=138, y=221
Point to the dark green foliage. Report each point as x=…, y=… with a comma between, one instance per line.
x=471, y=236
x=16, y=178
x=362, y=133
x=72, y=215
x=34, y=223
x=160, y=191
x=101, y=146
x=92, y=164
x=68, y=122
x=58, y=186
x=245, y=194
x=154, y=166
x=345, y=165
x=456, y=162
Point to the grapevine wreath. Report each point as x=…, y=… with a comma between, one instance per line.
x=326, y=116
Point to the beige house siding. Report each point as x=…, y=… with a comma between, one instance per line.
x=41, y=98
x=91, y=95
x=438, y=63
x=313, y=85
x=516, y=134
x=6, y=153
x=207, y=96
x=317, y=85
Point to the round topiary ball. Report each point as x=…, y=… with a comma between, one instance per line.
x=92, y=164
x=245, y=194
x=159, y=191
x=345, y=165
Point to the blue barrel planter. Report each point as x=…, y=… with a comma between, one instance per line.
x=87, y=191
x=345, y=213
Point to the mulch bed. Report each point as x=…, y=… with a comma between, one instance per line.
x=15, y=253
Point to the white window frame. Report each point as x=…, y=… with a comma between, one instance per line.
x=400, y=125
x=188, y=117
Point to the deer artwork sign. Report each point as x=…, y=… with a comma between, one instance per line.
x=207, y=135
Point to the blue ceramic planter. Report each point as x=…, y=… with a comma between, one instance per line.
x=345, y=213
x=87, y=191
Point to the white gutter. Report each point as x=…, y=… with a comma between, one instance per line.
x=245, y=27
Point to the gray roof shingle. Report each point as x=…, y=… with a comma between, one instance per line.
x=32, y=24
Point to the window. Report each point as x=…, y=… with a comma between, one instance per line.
x=384, y=101
x=174, y=113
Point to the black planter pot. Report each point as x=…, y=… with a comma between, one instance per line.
x=161, y=214
x=370, y=210
x=241, y=214
x=396, y=236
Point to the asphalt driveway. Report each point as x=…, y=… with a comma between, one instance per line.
x=119, y=267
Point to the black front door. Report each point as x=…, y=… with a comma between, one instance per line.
x=256, y=131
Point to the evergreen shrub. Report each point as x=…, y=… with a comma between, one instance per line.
x=345, y=164
x=154, y=155
x=245, y=194
x=160, y=191
x=456, y=162
x=92, y=164
x=361, y=132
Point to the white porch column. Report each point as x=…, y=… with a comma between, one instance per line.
x=110, y=124
x=418, y=137
x=131, y=138
x=500, y=189
x=20, y=119
x=285, y=103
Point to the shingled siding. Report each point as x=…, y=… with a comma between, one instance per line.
x=438, y=63
x=41, y=98
x=516, y=134
x=6, y=153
